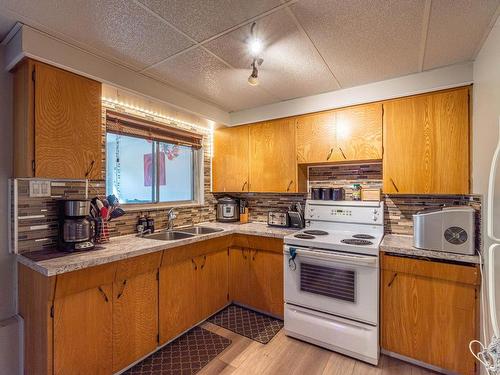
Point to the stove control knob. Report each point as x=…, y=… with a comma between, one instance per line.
x=375, y=217
x=375, y=211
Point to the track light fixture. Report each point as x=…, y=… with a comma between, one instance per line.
x=254, y=48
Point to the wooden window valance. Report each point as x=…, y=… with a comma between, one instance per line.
x=120, y=123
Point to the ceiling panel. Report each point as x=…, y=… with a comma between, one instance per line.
x=201, y=74
x=118, y=29
x=456, y=28
x=201, y=19
x=292, y=67
x=364, y=40
x=6, y=24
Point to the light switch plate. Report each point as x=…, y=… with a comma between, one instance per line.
x=39, y=188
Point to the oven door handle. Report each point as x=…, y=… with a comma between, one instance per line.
x=335, y=257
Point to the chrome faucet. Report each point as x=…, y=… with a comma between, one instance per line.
x=170, y=218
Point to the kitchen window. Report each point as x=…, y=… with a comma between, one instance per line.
x=150, y=163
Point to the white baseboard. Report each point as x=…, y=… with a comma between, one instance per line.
x=11, y=345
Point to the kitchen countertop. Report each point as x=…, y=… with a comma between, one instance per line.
x=129, y=246
x=403, y=244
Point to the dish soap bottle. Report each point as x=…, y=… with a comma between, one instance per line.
x=356, y=192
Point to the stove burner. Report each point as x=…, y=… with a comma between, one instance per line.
x=315, y=232
x=357, y=242
x=304, y=236
x=364, y=236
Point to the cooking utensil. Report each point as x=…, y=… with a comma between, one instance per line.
x=116, y=213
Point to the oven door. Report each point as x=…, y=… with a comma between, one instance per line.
x=332, y=282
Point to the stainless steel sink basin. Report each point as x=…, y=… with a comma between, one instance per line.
x=169, y=236
x=200, y=230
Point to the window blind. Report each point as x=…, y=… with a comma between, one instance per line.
x=120, y=123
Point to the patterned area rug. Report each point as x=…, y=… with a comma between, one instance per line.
x=185, y=356
x=248, y=323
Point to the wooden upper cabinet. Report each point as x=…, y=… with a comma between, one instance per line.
x=359, y=132
x=349, y=134
x=273, y=165
x=230, y=162
x=316, y=138
x=426, y=144
x=57, y=118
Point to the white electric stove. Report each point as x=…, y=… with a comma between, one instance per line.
x=331, y=273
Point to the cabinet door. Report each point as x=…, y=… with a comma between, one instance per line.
x=82, y=332
x=135, y=318
x=212, y=279
x=273, y=165
x=178, y=303
x=68, y=130
x=266, y=281
x=239, y=275
x=429, y=320
x=230, y=161
x=316, y=138
x=426, y=144
x=359, y=132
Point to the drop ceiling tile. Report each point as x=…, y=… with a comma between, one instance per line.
x=201, y=74
x=201, y=19
x=364, y=41
x=456, y=28
x=292, y=67
x=120, y=30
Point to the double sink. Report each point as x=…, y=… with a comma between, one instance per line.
x=179, y=234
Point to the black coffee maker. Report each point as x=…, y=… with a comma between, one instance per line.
x=76, y=228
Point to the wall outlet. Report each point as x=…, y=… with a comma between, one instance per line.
x=39, y=188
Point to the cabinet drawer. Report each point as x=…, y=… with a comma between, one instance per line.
x=465, y=274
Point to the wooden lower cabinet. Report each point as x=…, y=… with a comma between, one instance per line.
x=135, y=318
x=256, y=279
x=101, y=319
x=82, y=332
x=191, y=289
x=430, y=311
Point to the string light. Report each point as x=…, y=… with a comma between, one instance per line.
x=210, y=129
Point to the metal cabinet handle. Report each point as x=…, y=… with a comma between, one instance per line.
x=90, y=169
x=122, y=289
x=195, y=266
x=329, y=154
x=103, y=294
x=243, y=254
x=243, y=187
x=254, y=254
x=392, y=280
x=394, y=184
x=340, y=148
x=204, y=261
x=289, y=186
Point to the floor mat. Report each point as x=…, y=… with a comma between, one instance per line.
x=185, y=356
x=248, y=323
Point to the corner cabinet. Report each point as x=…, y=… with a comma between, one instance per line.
x=429, y=311
x=256, y=158
x=230, y=161
x=273, y=167
x=426, y=144
x=57, y=123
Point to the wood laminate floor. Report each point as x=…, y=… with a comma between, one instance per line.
x=285, y=355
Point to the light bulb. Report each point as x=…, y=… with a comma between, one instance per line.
x=255, y=46
x=253, y=80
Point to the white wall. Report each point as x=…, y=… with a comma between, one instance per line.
x=8, y=329
x=486, y=112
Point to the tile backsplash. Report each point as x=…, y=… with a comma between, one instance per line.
x=37, y=225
